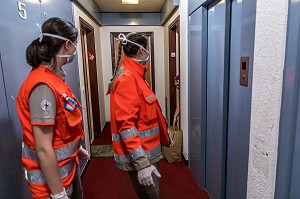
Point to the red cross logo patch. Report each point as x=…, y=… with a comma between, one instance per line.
x=46, y=105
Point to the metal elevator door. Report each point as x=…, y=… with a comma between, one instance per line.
x=220, y=33
x=18, y=28
x=216, y=100
x=10, y=181
x=288, y=162
x=239, y=106
x=197, y=98
x=207, y=142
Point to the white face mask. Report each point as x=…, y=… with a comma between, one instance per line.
x=70, y=58
x=143, y=61
x=124, y=41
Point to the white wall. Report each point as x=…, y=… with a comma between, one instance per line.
x=183, y=12
x=79, y=13
x=183, y=70
x=269, y=54
x=159, y=67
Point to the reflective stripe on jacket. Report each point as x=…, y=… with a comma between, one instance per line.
x=67, y=133
x=137, y=124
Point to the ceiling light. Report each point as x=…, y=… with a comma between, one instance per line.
x=130, y=1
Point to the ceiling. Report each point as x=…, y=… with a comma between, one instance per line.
x=117, y=6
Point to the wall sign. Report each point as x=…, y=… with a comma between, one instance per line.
x=22, y=11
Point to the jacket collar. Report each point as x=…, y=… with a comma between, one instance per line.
x=58, y=72
x=134, y=66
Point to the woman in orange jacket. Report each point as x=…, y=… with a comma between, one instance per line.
x=50, y=116
x=138, y=126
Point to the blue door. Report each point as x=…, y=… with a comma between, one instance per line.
x=220, y=33
x=197, y=91
x=239, y=108
x=18, y=28
x=288, y=162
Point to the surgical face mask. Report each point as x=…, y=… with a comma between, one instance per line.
x=70, y=58
x=143, y=61
x=124, y=41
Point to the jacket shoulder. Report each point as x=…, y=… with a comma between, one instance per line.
x=121, y=76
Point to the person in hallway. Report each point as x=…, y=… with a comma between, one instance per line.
x=137, y=124
x=50, y=116
x=177, y=111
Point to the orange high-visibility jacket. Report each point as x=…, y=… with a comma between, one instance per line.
x=137, y=124
x=67, y=133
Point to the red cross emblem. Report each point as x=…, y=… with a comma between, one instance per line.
x=45, y=105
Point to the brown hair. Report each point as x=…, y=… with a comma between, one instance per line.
x=46, y=50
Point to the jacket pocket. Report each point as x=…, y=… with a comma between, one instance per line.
x=69, y=123
x=150, y=106
x=74, y=117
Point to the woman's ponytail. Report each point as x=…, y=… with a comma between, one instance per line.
x=32, y=54
x=118, y=61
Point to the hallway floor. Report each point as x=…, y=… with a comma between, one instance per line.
x=102, y=180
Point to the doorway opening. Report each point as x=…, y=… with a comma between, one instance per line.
x=90, y=79
x=174, y=69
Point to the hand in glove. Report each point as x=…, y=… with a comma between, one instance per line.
x=83, y=154
x=145, y=175
x=62, y=195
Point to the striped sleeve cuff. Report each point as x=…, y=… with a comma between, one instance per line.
x=141, y=163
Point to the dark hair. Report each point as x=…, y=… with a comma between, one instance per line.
x=131, y=49
x=46, y=50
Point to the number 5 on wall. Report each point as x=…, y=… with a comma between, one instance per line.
x=22, y=11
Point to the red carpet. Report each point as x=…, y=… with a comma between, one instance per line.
x=102, y=180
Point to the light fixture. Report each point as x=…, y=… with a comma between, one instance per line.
x=130, y=1
x=37, y=1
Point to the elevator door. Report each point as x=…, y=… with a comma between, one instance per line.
x=239, y=108
x=10, y=186
x=216, y=101
x=18, y=28
x=295, y=168
x=220, y=33
x=288, y=162
x=197, y=94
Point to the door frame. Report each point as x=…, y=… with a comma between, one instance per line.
x=173, y=28
x=90, y=78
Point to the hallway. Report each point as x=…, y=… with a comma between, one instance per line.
x=239, y=94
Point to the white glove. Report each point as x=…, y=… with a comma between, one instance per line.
x=83, y=154
x=145, y=175
x=62, y=195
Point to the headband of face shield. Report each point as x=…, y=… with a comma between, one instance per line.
x=70, y=58
x=124, y=41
